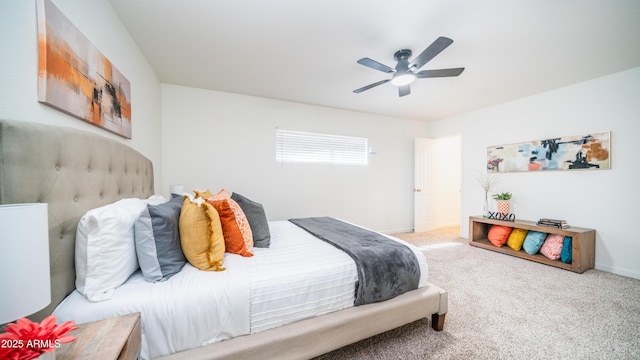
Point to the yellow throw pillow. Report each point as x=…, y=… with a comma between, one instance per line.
x=201, y=235
x=205, y=194
x=516, y=238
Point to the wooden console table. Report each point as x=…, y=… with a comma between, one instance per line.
x=114, y=338
x=583, y=242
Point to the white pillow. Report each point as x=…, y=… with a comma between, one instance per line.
x=105, y=248
x=156, y=199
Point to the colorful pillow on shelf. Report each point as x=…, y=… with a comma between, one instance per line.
x=201, y=235
x=552, y=246
x=238, y=238
x=566, y=254
x=257, y=219
x=533, y=242
x=516, y=238
x=157, y=240
x=498, y=234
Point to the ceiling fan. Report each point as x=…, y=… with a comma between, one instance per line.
x=406, y=72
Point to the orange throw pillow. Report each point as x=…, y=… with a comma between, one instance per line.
x=220, y=195
x=499, y=234
x=234, y=240
x=241, y=218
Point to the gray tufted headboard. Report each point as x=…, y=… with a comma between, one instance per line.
x=72, y=171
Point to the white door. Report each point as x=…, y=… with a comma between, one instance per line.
x=424, y=215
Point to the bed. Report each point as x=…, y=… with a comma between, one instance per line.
x=76, y=171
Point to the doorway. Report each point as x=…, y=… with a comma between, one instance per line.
x=437, y=183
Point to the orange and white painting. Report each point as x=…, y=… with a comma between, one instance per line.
x=73, y=76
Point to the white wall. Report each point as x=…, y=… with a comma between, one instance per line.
x=605, y=200
x=213, y=140
x=99, y=23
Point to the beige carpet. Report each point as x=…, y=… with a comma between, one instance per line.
x=503, y=307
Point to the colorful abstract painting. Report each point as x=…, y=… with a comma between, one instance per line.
x=590, y=151
x=73, y=76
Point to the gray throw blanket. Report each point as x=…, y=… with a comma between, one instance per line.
x=386, y=268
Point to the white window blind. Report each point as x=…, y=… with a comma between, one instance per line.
x=305, y=147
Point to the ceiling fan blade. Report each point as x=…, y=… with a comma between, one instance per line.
x=429, y=53
x=404, y=90
x=357, y=91
x=439, y=73
x=376, y=65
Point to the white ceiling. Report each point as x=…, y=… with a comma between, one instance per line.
x=306, y=51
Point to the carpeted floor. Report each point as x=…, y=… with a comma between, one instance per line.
x=503, y=307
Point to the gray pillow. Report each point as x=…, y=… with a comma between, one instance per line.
x=157, y=239
x=257, y=220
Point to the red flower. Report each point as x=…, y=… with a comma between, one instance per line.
x=27, y=340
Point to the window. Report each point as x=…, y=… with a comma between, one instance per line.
x=305, y=147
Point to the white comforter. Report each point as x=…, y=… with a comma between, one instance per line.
x=297, y=277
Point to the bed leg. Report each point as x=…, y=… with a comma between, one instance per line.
x=437, y=321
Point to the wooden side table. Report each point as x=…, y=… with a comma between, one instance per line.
x=114, y=338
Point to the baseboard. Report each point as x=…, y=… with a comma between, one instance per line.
x=618, y=271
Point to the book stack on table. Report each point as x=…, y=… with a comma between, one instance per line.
x=562, y=224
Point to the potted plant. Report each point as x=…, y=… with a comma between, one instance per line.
x=502, y=200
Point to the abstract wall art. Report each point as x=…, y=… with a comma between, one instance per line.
x=588, y=151
x=74, y=77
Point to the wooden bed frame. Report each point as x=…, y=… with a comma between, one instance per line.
x=74, y=171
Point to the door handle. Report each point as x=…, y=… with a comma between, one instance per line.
x=417, y=190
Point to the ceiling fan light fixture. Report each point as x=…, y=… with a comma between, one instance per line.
x=403, y=79
x=405, y=72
